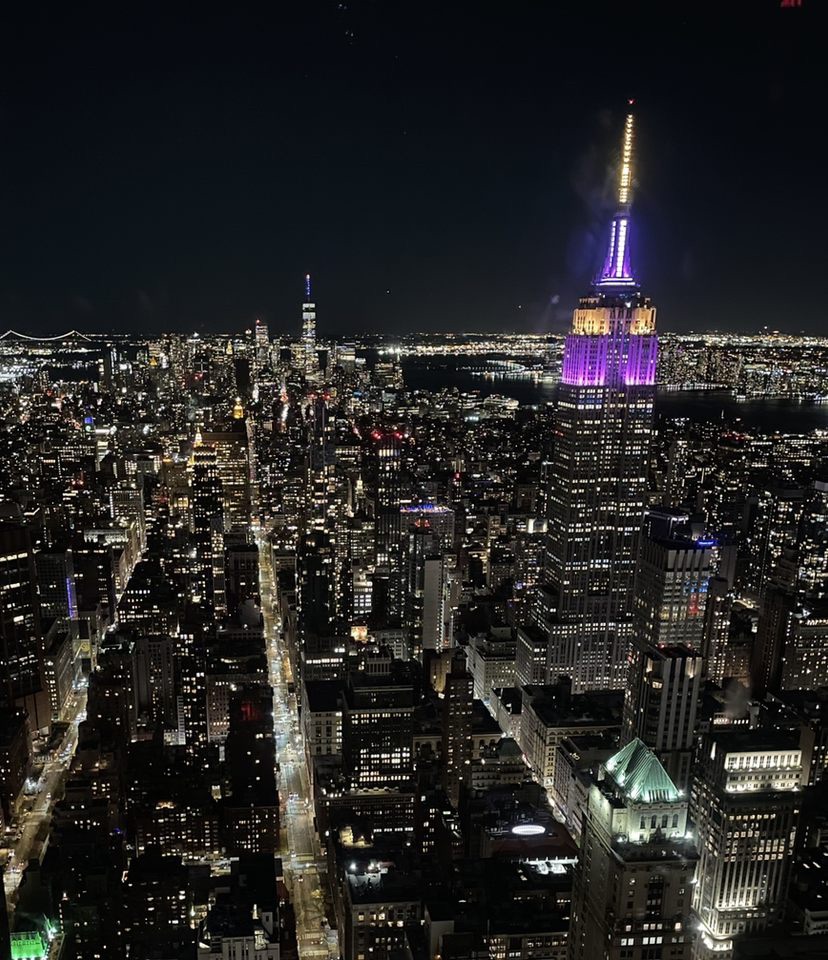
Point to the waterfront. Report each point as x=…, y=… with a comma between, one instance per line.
x=771, y=415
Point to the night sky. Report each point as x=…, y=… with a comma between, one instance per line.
x=435, y=166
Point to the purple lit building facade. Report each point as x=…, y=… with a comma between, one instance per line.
x=597, y=477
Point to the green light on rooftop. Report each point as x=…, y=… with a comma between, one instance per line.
x=25, y=946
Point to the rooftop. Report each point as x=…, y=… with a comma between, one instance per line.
x=638, y=772
x=323, y=696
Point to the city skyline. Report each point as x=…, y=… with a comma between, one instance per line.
x=470, y=185
x=464, y=646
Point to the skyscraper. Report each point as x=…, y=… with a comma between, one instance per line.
x=427, y=532
x=661, y=705
x=21, y=644
x=377, y=723
x=812, y=544
x=669, y=599
x=315, y=582
x=388, y=485
x=56, y=585
x=458, y=699
x=671, y=584
x=745, y=805
x=262, y=342
x=598, y=470
x=633, y=884
x=791, y=650
x=309, y=331
x=208, y=530
x=232, y=459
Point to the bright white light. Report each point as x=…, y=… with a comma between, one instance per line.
x=528, y=830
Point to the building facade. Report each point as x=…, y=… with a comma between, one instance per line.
x=597, y=475
x=634, y=880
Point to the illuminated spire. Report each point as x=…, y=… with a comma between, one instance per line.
x=625, y=180
x=307, y=288
x=617, y=270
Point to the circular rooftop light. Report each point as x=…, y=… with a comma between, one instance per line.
x=528, y=830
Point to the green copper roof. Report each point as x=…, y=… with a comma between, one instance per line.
x=640, y=775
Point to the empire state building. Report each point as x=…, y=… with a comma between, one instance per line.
x=597, y=476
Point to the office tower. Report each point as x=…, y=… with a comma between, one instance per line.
x=377, y=903
x=175, y=480
x=232, y=461
x=158, y=901
x=251, y=811
x=812, y=544
x=804, y=659
x=236, y=657
x=776, y=624
x=56, y=585
x=241, y=574
x=94, y=565
x=346, y=356
x=633, y=882
x=310, y=360
x=208, y=531
x=491, y=660
x=745, y=806
x=598, y=471
x=377, y=723
x=458, y=700
x=21, y=643
x=424, y=588
x=61, y=666
x=15, y=759
x=671, y=584
x=315, y=585
x=262, y=343
x=126, y=505
x=362, y=539
x=791, y=649
x=778, y=512
x=149, y=603
x=661, y=705
x=388, y=455
x=153, y=675
x=320, y=462
x=500, y=568
x=669, y=604
x=321, y=716
x=721, y=659
x=388, y=481
x=435, y=517
x=360, y=591
x=192, y=682
x=530, y=549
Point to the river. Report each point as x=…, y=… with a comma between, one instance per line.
x=768, y=416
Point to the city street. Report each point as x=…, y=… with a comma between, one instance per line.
x=304, y=864
x=32, y=823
